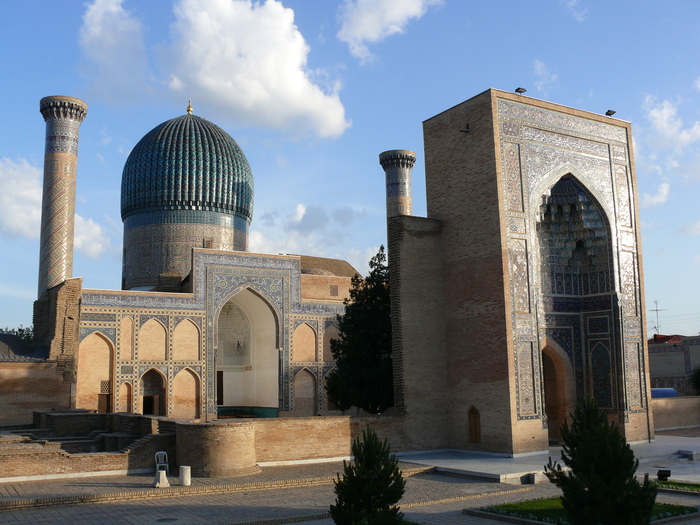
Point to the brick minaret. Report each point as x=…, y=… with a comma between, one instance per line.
x=63, y=116
x=397, y=165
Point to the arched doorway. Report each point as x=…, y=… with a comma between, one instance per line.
x=558, y=390
x=153, y=394
x=247, y=356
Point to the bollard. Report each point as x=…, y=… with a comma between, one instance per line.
x=185, y=476
x=161, y=480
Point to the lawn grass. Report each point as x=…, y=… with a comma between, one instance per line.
x=549, y=510
x=679, y=485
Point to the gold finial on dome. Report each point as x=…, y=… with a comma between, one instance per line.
x=189, y=107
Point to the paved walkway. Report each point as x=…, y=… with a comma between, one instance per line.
x=297, y=493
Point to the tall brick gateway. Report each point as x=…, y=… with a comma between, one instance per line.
x=521, y=292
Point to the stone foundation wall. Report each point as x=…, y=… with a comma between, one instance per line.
x=47, y=459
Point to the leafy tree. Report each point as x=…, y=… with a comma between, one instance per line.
x=25, y=334
x=695, y=379
x=371, y=485
x=362, y=353
x=600, y=488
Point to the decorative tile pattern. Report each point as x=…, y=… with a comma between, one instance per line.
x=629, y=283
x=527, y=391
x=559, y=121
x=624, y=215
x=96, y=316
x=517, y=225
x=574, y=228
x=109, y=333
x=634, y=383
x=598, y=324
x=511, y=167
x=601, y=375
x=520, y=286
x=564, y=141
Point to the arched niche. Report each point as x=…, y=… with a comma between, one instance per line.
x=304, y=344
x=247, y=356
x=94, y=382
x=153, y=341
x=578, y=291
x=305, y=394
x=126, y=339
x=332, y=332
x=186, y=339
x=152, y=398
x=474, y=425
x=186, y=395
x=125, y=397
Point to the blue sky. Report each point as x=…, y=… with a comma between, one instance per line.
x=314, y=90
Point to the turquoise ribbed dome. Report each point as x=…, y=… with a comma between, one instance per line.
x=187, y=163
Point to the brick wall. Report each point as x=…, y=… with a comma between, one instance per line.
x=322, y=287
x=464, y=193
x=45, y=459
x=28, y=386
x=418, y=328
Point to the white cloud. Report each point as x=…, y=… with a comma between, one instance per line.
x=697, y=83
x=693, y=229
x=661, y=196
x=307, y=220
x=574, y=7
x=248, y=61
x=112, y=40
x=546, y=80
x=668, y=126
x=239, y=60
x=20, y=209
x=20, y=199
x=368, y=21
x=90, y=238
x=310, y=230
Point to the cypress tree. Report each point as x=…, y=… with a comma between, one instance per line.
x=364, y=374
x=371, y=485
x=601, y=487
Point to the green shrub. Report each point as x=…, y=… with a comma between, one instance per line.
x=371, y=485
x=600, y=488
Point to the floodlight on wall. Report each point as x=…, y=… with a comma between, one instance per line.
x=663, y=474
x=520, y=90
x=465, y=129
x=610, y=112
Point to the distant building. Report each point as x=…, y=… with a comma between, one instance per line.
x=672, y=359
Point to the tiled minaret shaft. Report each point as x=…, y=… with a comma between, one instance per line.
x=63, y=116
x=397, y=165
